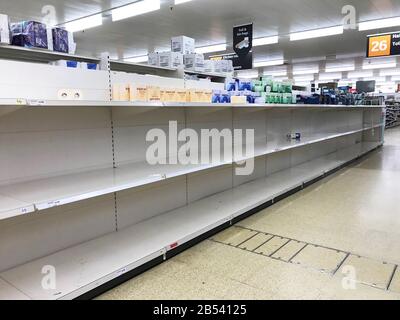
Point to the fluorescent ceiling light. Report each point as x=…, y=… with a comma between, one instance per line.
x=380, y=64
x=214, y=48
x=138, y=59
x=360, y=74
x=304, y=78
x=265, y=41
x=309, y=59
x=318, y=33
x=268, y=63
x=340, y=66
x=377, y=79
x=330, y=76
x=84, y=23
x=181, y=1
x=396, y=78
x=305, y=69
x=250, y=74
x=135, y=9
x=277, y=71
x=390, y=72
x=379, y=24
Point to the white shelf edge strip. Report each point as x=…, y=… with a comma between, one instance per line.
x=154, y=178
x=194, y=220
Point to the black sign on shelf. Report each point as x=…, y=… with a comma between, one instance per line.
x=243, y=45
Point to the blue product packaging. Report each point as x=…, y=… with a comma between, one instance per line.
x=231, y=86
x=29, y=34
x=225, y=97
x=60, y=40
x=92, y=66
x=72, y=64
x=216, y=98
x=245, y=85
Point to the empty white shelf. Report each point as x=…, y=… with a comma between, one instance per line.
x=28, y=197
x=8, y=292
x=87, y=266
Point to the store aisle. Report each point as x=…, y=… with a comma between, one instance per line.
x=300, y=248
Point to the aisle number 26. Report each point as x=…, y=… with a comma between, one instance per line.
x=379, y=46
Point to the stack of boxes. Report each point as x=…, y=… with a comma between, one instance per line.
x=33, y=34
x=258, y=92
x=274, y=92
x=146, y=93
x=183, y=54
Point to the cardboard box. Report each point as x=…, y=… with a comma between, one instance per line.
x=4, y=29
x=168, y=95
x=194, y=62
x=141, y=94
x=181, y=95
x=195, y=96
x=183, y=45
x=170, y=59
x=209, y=66
x=153, y=94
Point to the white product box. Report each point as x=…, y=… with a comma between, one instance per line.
x=224, y=66
x=194, y=62
x=182, y=44
x=153, y=59
x=209, y=66
x=4, y=29
x=170, y=59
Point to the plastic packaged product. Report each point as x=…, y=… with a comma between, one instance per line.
x=4, y=29
x=92, y=66
x=216, y=97
x=30, y=34
x=225, y=97
x=207, y=96
x=153, y=94
x=183, y=44
x=60, y=40
x=244, y=85
x=231, y=85
x=181, y=95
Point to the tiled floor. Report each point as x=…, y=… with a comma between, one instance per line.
x=355, y=211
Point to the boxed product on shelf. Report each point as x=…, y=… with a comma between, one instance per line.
x=183, y=44
x=30, y=34
x=63, y=40
x=4, y=29
x=209, y=66
x=181, y=95
x=153, y=94
x=194, y=62
x=153, y=59
x=170, y=59
x=223, y=66
x=168, y=95
x=239, y=99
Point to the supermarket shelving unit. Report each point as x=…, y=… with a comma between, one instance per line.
x=392, y=114
x=78, y=194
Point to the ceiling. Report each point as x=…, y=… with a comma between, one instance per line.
x=211, y=22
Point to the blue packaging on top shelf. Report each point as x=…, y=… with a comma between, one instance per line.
x=29, y=34
x=72, y=64
x=60, y=40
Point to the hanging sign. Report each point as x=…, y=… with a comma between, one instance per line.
x=383, y=45
x=243, y=46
